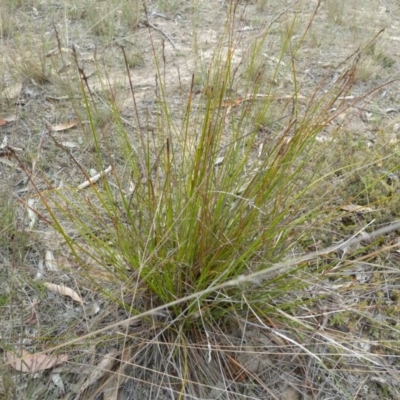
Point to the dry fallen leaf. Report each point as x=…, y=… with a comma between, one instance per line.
x=111, y=388
x=12, y=92
x=64, y=127
x=34, y=362
x=10, y=118
x=356, y=208
x=56, y=378
x=7, y=119
x=70, y=145
x=40, y=273
x=104, y=367
x=218, y=161
x=50, y=261
x=64, y=290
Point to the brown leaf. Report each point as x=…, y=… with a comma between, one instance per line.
x=64, y=127
x=34, y=362
x=7, y=119
x=64, y=290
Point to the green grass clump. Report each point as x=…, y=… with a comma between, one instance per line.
x=209, y=200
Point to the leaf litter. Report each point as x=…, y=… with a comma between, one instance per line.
x=64, y=291
x=28, y=362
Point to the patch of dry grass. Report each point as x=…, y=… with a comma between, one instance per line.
x=198, y=261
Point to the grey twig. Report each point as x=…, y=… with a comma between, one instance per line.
x=162, y=32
